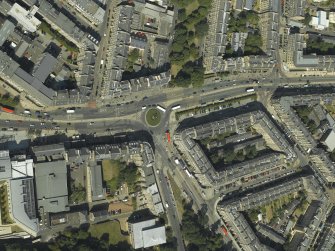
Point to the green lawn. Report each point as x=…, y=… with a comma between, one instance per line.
x=111, y=171
x=112, y=228
x=110, y=168
x=153, y=117
x=191, y=7
x=177, y=196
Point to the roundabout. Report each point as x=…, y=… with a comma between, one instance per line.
x=153, y=117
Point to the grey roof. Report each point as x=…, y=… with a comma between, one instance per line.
x=7, y=65
x=96, y=182
x=45, y=68
x=154, y=236
x=21, y=49
x=48, y=150
x=330, y=140
x=5, y=166
x=51, y=186
x=23, y=204
x=146, y=234
x=305, y=60
x=6, y=29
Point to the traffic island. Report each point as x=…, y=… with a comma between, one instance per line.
x=153, y=117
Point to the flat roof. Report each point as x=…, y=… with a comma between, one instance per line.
x=96, y=182
x=24, y=17
x=5, y=167
x=6, y=29
x=46, y=66
x=23, y=204
x=51, y=186
x=154, y=236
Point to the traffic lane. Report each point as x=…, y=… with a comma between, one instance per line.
x=171, y=210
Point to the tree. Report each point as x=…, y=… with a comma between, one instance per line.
x=182, y=15
x=308, y=18
x=201, y=28
x=133, y=55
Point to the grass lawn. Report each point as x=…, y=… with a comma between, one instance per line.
x=110, y=168
x=177, y=196
x=153, y=117
x=112, y=228
x=191, y=7
x=175, y=69
x=330, y=108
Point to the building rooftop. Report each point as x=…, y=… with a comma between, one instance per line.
x=21, y=169
x=154, y=236
x=45, y=67
x=25, y=17
x=146, y=234
x=330, y=140
x=23, y=204
x=6, y=29
x=96, y=182
x=51, y=186
x=5, y=167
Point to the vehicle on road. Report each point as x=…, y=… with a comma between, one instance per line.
x=7, y=109
x=251, y=89
x=70, y=110
x=168, y=136
x=188, y=173
x=161, y=108
x=26, y=111
x=175, y=107
x=224, y=231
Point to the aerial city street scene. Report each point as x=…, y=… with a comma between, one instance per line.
x=167, y=125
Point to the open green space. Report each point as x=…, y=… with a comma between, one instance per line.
x=303, y=112
x=217, y=137
x=190, y=31
x=5, y=218
x=116, y=172
x=196, y=232
x=227, y=155
x=7, y=100
x=277, y=207
x=110, y=228
x=153, y=117
x=77, y=193
x=177, y=195
x=133, y=57
x=319, y=46
x=46, y=28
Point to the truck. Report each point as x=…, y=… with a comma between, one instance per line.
x=70, y=110
x=175, y=107
x=161, y=108
x=251, y=89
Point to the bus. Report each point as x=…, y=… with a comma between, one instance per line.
x=175, y=107
x=168, y=136
x=161, y=108
x=188, y=173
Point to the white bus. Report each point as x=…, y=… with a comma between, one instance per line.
x=175, y=107
x=250, y=89
x=161, y=108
